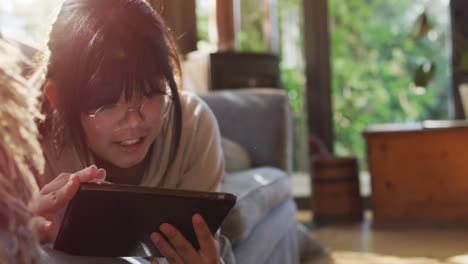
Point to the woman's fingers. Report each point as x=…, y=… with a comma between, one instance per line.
x=178, y=249
x=52, y=202
x=57, y=193
x=42, y=227
x=166, y=249
x=100, y=176
x=209, y=248
x=183, y=247
x=91, y=173
x=56, y=184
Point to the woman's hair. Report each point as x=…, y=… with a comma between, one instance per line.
x=20, y=158
x=99, y=49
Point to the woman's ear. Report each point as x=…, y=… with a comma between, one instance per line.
x=50, y=90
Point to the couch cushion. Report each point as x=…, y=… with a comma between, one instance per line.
x=274, y=239
x=258, y=191
x=236, y=156
x=258, y=119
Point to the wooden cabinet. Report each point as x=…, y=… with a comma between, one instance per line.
x=419, y=173
x=232, y=70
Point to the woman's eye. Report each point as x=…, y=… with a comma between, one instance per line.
x=101, y=108
x=109, y=106
x=153, y=94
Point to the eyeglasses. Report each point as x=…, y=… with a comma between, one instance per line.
x=154, y=109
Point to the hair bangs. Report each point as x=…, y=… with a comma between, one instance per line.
x=122, y=66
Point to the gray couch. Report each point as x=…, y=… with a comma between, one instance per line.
x=262, y=228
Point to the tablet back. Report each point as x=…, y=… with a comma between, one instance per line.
x=117, y=220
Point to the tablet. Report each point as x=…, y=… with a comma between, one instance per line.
x=117, y=220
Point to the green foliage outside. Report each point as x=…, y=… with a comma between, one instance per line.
x=375, y=54
x=290, y=15
x=251, y=39
x=251, y=29
x=203, y=9
x=293, y=81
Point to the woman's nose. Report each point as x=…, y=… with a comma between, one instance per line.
x=133, y=117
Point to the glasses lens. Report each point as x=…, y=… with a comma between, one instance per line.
x=109, y=115
x=156, y=107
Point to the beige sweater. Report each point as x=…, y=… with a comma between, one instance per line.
x=199, y=163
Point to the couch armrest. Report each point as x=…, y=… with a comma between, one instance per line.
x=258, y=119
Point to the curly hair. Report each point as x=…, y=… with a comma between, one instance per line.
x=20, y=157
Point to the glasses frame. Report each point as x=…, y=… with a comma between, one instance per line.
x=166, y=109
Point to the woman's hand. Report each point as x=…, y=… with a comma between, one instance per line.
x=179, y=250
x=54, y=196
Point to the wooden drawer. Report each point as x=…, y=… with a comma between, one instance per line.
x=419, y=175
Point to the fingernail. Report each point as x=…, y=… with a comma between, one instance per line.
x=72, y=178
x=155, y=238
x=165, y=229
x=47, y=225
x=102, y=175
x=197, y=219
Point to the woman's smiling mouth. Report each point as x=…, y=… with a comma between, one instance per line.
x=131, y=144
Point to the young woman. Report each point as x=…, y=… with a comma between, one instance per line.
x=113, y=109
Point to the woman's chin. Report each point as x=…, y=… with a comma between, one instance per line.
x=126, y=163
x=128, y=156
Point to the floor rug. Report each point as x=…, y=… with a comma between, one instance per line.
x=346, y=257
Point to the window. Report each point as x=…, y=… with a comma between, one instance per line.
x=28, y=21
x=390, y=63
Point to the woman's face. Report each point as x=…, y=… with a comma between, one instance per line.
x=122, y=133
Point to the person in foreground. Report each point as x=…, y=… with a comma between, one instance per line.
x=113, y=111
x=20, y=159
x=21, y=164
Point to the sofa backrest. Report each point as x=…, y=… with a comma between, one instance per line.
x=259, y=119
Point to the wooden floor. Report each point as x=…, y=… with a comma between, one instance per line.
x=440, y=244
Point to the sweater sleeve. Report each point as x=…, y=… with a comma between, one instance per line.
x=204, y=159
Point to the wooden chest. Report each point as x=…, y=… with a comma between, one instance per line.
x=419, y=173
